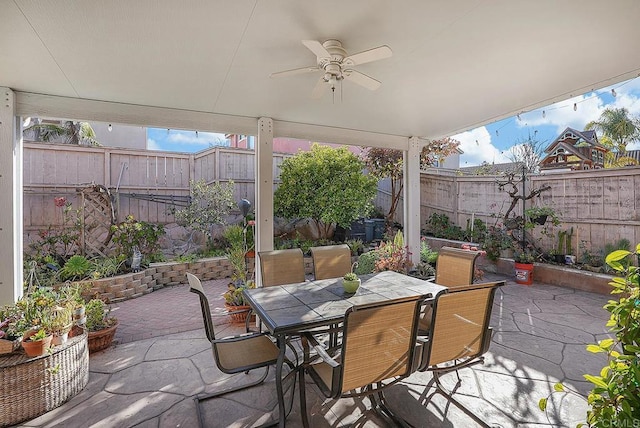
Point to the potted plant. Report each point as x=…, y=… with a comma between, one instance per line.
x=61, y=322
x=236, y=306
x=36, y=342
x=524, y=267
x=539, y=215
x=350, y=281
x=101, y=326
x=10, y=316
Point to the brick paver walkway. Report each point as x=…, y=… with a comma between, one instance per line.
x=168, y=310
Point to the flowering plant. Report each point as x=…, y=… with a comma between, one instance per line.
x=393, y=255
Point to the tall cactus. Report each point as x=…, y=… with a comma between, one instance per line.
x=561, y=236
x=568, y=236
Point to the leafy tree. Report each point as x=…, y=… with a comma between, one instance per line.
x=326, y=185
x=78, y=133
x=209, y=205
x=383, y=163
x=617, y=127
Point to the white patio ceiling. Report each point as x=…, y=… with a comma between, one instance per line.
x=456, y=64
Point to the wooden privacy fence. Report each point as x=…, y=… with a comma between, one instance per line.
x=143, y=183
x=602, y=205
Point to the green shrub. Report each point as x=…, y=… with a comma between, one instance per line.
x=132, y=233
x=356, y=246
x=366, y=263
x=427, y=255
x=77, y=267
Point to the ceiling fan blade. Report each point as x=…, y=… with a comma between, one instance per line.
x=381, y=52
x=317, y=48
x=362, y=79
x=294, y=71
x=319, y=89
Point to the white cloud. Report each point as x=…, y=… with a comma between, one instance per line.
x=477, y=147
x=152, y=144
x=562, y=115
x=189, y=137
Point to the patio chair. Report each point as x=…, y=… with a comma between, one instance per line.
x=234, y=354
x=377, y=350
x=331, y=261
x=459, y=334
x=454, y=269
x=279, y=267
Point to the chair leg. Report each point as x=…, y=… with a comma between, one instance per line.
x=303, y=398
x=226, y=391
x=239, y=388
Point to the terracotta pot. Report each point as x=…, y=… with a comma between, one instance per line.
x=239, y=317
x=35, y=348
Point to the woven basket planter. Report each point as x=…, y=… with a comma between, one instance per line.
x=101, y=339
x=30, y=387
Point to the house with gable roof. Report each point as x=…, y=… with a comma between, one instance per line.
x=573, y=150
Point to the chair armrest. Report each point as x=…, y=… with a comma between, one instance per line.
x=322, y=353
x=238, y=338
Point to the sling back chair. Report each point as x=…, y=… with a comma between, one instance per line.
x=377, y=350
x=455, y=268
x=234, y=354
x=459, y=334
x=331, y=261
x=279, y=267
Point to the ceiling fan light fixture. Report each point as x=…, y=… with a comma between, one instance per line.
x=335, y=64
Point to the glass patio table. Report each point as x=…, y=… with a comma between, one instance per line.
x=288, y=310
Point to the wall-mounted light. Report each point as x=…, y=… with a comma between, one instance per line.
x=613, y=92
x=544, y=114
x=575, y=106
x=109, y=128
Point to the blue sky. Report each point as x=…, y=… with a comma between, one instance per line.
x=490, y=143
x=485, y=144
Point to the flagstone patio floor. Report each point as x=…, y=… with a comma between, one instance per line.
x=162, y=360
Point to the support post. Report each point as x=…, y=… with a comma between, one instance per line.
x=10, y=199
x=411, y=198
x=264, y=189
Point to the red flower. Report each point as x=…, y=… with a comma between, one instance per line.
x=60, y=201
x=251, y=223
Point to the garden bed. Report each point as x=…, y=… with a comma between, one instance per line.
x=563, y=276
x=158, y=275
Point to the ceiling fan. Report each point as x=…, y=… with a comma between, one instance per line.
x=336, y=65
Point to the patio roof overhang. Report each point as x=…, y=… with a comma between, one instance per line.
x=205, y=65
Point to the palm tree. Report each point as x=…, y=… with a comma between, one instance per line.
x=618, y=129
x=78, y=133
